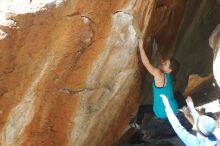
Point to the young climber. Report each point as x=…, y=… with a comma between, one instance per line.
x=205, y=126
x=162, y=84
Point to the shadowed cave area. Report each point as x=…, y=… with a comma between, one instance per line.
x=71, y=72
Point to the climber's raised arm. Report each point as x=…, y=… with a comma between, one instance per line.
x=153, y=70
x=192, y=109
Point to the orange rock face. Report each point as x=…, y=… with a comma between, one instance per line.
x=71, y=75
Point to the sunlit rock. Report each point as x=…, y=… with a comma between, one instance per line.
x=2, y=34
x=70, y=71
x=23, y=7
x=214, y=42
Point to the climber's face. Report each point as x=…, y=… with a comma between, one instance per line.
x=165, y=66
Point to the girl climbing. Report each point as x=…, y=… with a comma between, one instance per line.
x=162, y=84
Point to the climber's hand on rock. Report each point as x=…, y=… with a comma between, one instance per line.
x=165, y=100
x=189, y=102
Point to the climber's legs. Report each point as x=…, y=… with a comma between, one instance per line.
x=142, y=110
x=160, y=128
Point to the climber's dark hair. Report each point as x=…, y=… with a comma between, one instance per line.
x=212, y=115
x=174, y=66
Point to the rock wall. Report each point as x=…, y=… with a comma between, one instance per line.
x=192, y=45
x=70, y=74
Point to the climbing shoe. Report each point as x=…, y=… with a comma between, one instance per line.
x=135, y=125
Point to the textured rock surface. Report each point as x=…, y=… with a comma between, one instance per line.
x=195, y=82
x=192, y=46
x=70, y=75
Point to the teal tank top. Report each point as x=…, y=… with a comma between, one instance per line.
x=158, y=106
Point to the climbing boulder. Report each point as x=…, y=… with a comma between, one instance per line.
x=70, y=72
